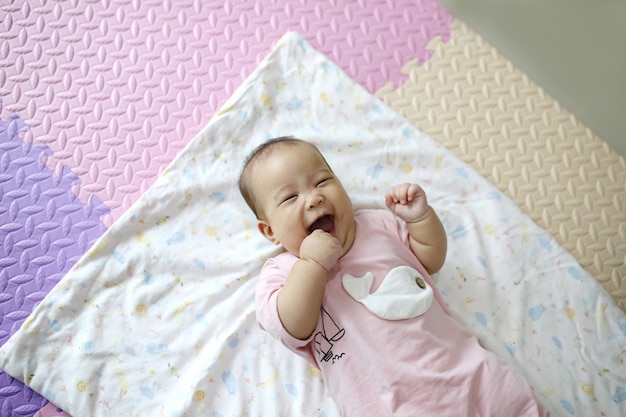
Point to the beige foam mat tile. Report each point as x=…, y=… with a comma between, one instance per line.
x=475, y=102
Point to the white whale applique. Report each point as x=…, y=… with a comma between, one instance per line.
x=403, y=294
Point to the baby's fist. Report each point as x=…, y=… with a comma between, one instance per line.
x=322, y=248
x=407, y=201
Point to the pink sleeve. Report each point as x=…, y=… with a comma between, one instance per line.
x=272, y=278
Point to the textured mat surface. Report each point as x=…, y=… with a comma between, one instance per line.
x=116, y=89
x=490, y=114
x=44, y=229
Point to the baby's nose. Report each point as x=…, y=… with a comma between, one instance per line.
x=315, y=199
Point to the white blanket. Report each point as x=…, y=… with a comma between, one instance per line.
x=157, y=319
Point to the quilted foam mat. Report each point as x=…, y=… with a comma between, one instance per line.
x=97, y=97
x=492, y=116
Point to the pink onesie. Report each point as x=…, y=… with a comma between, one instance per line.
x=393, y=349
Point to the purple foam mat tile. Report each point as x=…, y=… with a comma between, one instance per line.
x=44, y=230
x=18, y=400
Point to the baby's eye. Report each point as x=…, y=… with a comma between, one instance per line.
x=323, y=181
x=289, y=198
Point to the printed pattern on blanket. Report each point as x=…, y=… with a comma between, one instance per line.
x=158, y=316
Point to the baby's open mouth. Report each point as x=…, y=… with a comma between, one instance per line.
x=325, y=223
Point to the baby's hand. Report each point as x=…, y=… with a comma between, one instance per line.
x=407, y=201
x=322, y=248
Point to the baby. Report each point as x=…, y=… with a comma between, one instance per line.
x=352, y=294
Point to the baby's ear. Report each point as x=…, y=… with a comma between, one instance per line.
x=267, y=231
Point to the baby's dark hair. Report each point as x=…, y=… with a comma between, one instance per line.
x=265, y=150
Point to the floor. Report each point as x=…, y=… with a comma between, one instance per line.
x=574, y=49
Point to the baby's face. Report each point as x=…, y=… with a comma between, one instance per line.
x=298, y=193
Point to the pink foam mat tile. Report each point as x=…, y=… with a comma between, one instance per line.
x=117, y=88
x=98, y=96
x=50, y=410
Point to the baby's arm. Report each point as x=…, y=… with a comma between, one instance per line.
x=300, y=299
x=427, y=236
